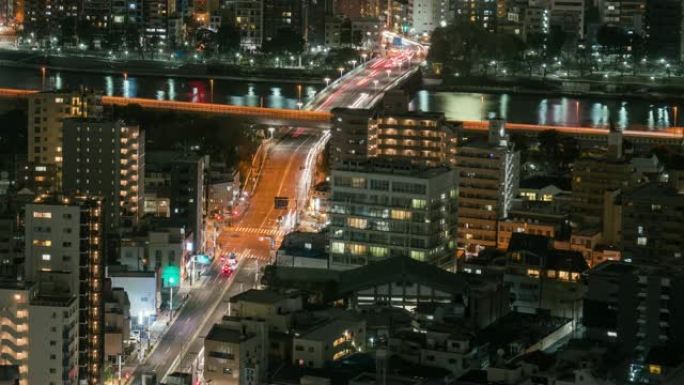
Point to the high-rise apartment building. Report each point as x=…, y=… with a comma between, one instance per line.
x=248, y=16
x=420, y=137
x=349, y=134
x=628, y=14
x=482, y=13
x=44, y=18
x=283, y=14
x=652, y=224
x=489, y=173
x=46, y=114
x=180, y=177
x=39, y=334
x=663, y=26
x=427, y=15
x=382, y=208
x=106, y=159
x=592, y=177
x=635, y=307
x=64, y=254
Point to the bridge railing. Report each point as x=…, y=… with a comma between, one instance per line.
x=276, y=113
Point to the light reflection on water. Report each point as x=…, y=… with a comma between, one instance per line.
x=560, y=111
x=569, y=111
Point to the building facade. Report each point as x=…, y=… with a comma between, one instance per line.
x=381, y=209
x=106, y=159
x=64, y=253
x=488, y=182
x=46, y=114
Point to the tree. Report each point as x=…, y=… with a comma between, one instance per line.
x=227, y=38
x=285, y=40
x=459, y=46
x=613, y=38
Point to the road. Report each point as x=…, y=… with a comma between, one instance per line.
x=287, y=172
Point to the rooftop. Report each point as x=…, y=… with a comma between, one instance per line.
x=537, y=182
x=222, y=333
x=265, y=297
x=327, y=330
x=391, y=167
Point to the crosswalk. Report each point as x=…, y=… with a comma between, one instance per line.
x=257, y=230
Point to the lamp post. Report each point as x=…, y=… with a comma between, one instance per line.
x=211, y=90
x=375, y=84
x=43, y=70
x=327, y=81
x=341, y=69
x=171, y=282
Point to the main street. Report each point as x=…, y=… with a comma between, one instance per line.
x=287, y=172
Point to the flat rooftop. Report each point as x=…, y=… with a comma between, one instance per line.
x=265, y=297
x=222, y=333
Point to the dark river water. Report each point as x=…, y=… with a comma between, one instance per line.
x=519, y=108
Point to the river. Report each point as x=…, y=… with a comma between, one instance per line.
x=520, y=108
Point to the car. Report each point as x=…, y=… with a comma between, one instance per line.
x=226, y=270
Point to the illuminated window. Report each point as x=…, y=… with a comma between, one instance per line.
x=418, y=203
x=44, y=215
x=655, y=369
x=551, y=273
x=337, y=247
x=611, y=333
x=357, y=223
x=417, y=255
x=40, y=242
x=533, y=273
x=400, y=215
x=46, y=257
x=564, y=275
x=359, y=182
x=379, y=252
x=41, y=168
x=358, y=249
x=642, y=241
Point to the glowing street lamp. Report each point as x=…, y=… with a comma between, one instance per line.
x=364, y=56
x=299, y=105
x=389, y=71
x=341, y=69
x=327, y=81
x=375, y=84
x=353, y=63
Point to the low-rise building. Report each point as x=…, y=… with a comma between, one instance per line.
x=117, y=324
x=302, y=249
x=142, y=289
x=330, y=341
x=544, y=279
x=231, y=357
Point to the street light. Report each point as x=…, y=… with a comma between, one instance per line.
x=327, y=81
x=43, y=71
x=389, y=71
x=364, y=56
x=299, y=105
x=375, y=84
x=271, y=130
x=211, y=92
x=171, y=282
x=353, y=63
x=299, y=92
x=341, y=69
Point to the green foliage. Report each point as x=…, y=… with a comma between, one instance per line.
x=557, y=149
x=462, y=45
x=285, y=40
x=227, y=38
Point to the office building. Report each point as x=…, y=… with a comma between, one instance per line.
x=106, y=159
x=382, y=209
x=635, y=307
x=488, y=182
x=46, y=114
x=652, y=224
x=64, y=253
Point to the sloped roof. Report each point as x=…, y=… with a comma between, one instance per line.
x=401, y=269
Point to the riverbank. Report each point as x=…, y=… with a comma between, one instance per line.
x=152, y=68
x=617, y=88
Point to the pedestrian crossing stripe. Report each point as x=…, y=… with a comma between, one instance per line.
x=256, y=230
